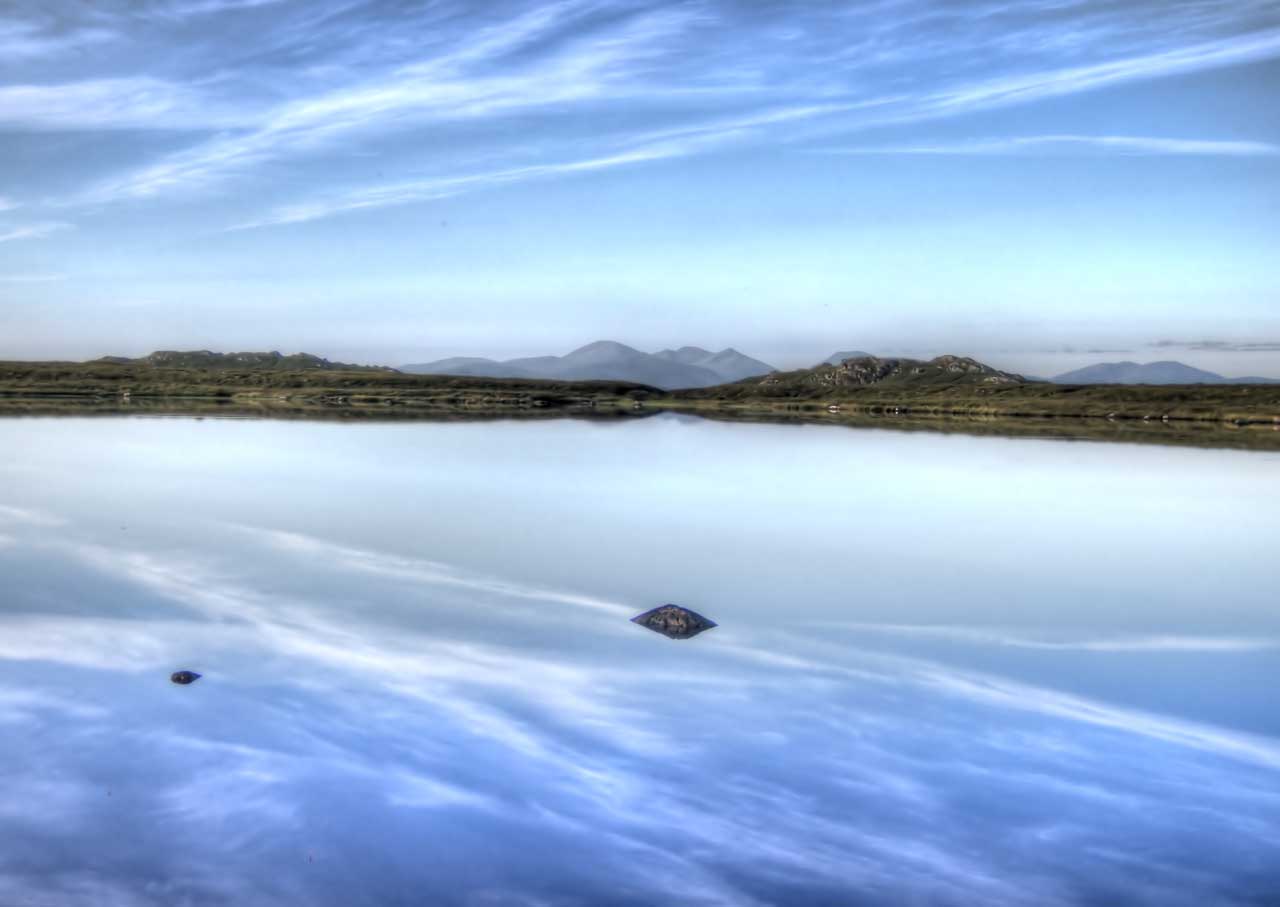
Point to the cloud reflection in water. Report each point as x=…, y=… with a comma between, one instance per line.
x=378, y=728
x=443, y=751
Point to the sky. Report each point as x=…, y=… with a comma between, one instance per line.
x=1041, y=184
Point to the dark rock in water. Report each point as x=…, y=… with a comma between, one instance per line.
x=184, y=677
x=674, y=621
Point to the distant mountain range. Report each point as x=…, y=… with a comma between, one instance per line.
x=689, y=366
x=206, y=359
x=1165, y=372
x=729, y=364
x=694, y=367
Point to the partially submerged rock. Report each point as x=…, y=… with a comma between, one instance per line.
x=184, y=677
x=674, y=621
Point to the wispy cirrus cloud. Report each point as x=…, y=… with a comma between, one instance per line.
x=1014, y=638
x=20, y=705
x=31, y=278
x=446, y=88
x=22, y=41
x=650, y=147
x=379, y=563
x=132, y=102
x=580, y=57
x=1024, y=87
x=211, y=7
x=28, y=516
x=1075, y=144
x=45, y=31
x=1220, y=346
x=371, y=684
x=404, y=193
x=441, y=89
x=33, y=231
x=1251, y=748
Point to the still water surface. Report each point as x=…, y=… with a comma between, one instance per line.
x=948, y=671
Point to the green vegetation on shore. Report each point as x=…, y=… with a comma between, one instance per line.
x=113, y=382
x=955, y=386
x=948, y=394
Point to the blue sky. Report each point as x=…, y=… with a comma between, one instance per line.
x=389, y=182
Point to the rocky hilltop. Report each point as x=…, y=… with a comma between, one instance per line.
x=872, y=371
x=838, y=357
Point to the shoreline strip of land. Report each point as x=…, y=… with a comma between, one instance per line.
x=1209, y=415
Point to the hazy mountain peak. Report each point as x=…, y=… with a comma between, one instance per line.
x=734, y=366
x=689, y=355
x=1164, y=372
x=604, y=348
x=688, y=366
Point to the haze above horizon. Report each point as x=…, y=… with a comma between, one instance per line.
x=1041, y=185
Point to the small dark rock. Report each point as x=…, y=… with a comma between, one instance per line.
x=184, y=677
x=674, y=621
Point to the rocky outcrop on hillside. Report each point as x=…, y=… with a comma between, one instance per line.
x=870, y=370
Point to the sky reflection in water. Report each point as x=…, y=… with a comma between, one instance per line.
x=948, y=670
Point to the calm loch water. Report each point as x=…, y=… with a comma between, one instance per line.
x=947, y=671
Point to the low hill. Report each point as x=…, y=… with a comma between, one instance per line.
x=135, y=385
x=856, y=374
x=205, y=359
x=1164, y=372
x=611, y=361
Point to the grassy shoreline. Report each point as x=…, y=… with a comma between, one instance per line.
x=1201, y=415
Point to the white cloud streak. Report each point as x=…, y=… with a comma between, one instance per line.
x=32, y=231
x=29, y=516
x=418, y=570
x=441, y=89
x=414, y=666
x=1220, y=346
x=117, y=645
x=975, y=687
x=31, y=278
x=24, y=41
x=1075, y=144
x=135, y=102
x=652, y=147
x=1027, y=87
x=563, y=56
x=211, y=7
x=393, y=713
x=1012, y=638
x=24, y=705
x=404, y=193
